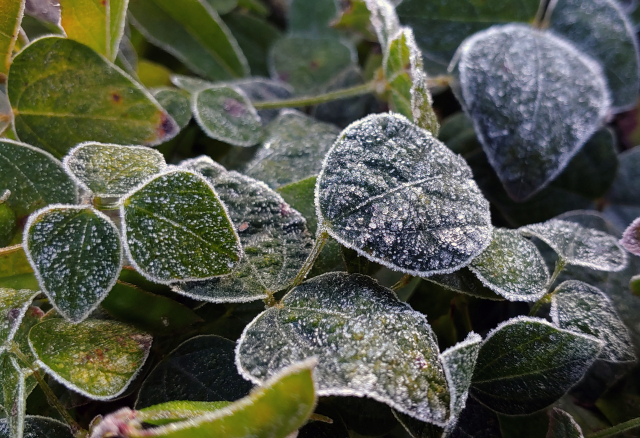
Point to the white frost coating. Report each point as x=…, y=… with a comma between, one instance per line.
x=384, y=20
x=109, y=169
x=580, y=246
x=518, y=319
x=532, y=114
x=99, y=293
x=11, y=316
x=398, y=196
x=5, y=196
x=631, y=238
x=579, y=307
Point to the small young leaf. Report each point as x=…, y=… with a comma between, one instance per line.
x=512, y=267
x=34, y=177
x=13, y=306
x=562, y=425
x=369, y=344
x=192, y=31
x=76, y=254
x=578, y=307
x=98, y=359
x=293, y=149
x=63, y=93
x=521, y=114
x=176, y=229
x=399, y=197
x=112, y=170
x=200, y=369
x=580, y=246
x=12, y=12
x=623, y=200
x=38, y=427
x=226, y=114
x=525, y=364
x=631, y=238
x=176, y=102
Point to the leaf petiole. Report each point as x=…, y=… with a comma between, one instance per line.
x=622, y=427
x=560, y=264
x=321, y=239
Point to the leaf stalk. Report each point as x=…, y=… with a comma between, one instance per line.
x=321, y=240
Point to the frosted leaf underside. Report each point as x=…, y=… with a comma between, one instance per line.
x=579, y=245
x=398, y=196
x=580, y=307
x=368, y=343
x=631, y=238
x=534, y=101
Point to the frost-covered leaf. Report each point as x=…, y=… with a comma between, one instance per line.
x=176, y=229
x=64, y=93
x=399, y=197
x=292, y=150
x=312, y=18
x=200, y=369
x=384, y=20
x=112, y=170
x=12, y=12
x=98, y=359
x=192, y=31
x=226, y=114
x=96, y=23
x=512, y=267
x=631, y=238
x=601, y=29
x=13, y=306
x=174, y=411
x=582, y=308
x=580, y=246
x=274, y=238
x=38, y=427
x=623, y=200
x=176, y=102
x=368, y=343
x=525, y=364
x=76, y=254
x=533, y=116
x=562, y=425
x=34, y=177
x=466, y=282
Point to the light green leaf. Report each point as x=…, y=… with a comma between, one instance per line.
x=13, y=307
x=368, y=343
x=176, y=102
x=582, y=308
x=631, y=238
x=601, y=29
x=98, y=359
x=110, y=170
x=512, y=267
x=274, y=238
x=15, y=270
x=530, y=136
x=96, y=23
x=580, y=246
x=192, y=31
x=76, y=255
x=12, y=12
x=38, y=427
x=399, y=197
x=63, y=93
x=176, y=229
x=173, y=411
x=623, y=200
x=526, y=364
x=226, y=114
x=312, y=18
x=292, y=150
x=34, y=177
x=562, y=425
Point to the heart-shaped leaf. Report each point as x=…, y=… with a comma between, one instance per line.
x=176, y=229
x=580, y=246
x=98, y=359
x=525, y=364
x=34, y=177
x=76, y=254
x=12, y=12
x=36, y=427
x=226, y=114
x=582, y=308
x=13, y=306
x=63, y=93
x=398, y=196
x=176, y=102
x=631, y=238
x=368, y=343
x=534, y=100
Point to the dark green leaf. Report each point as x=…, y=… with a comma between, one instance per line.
x=312, y=18
x=176, y=102
x=38, y=427
x=623, y=201
x=222, y=6
x=466, y=282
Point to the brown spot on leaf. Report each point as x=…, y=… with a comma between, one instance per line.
x=143, y=341
x=234, y=108
x=167, y=128
x=116, y=97
x=243, y=227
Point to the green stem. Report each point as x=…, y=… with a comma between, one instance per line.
x=622, y=427
x=321, y=239
x=560, y=264
x=403, y=282
x=358, y=90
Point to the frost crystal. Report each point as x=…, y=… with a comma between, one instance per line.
x=368, y=344
x=398, y=196
x=534, y=101
x=631, y=238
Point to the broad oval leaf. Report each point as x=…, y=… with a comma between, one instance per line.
x=176, y=229
x=562, y=425
x=12, y=12
x=582, y=308
x=98, y=359
x=368, y=343
x=13, y=306
x=38, y=427
x=34, y=177
x=601, y=29
x=512, y=267
x=398, y=196
x=525, y=364
x=535, y=114
x=112, y=170
x=631, y=238
x=226, y=114
x=76, y=255
x=176, y=102
x=580, y=246
x=63, y=93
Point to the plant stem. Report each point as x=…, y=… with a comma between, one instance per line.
x=560, y=264
x=622, y=427
x=358, y=90
x=403, y=282
x=321, y=239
